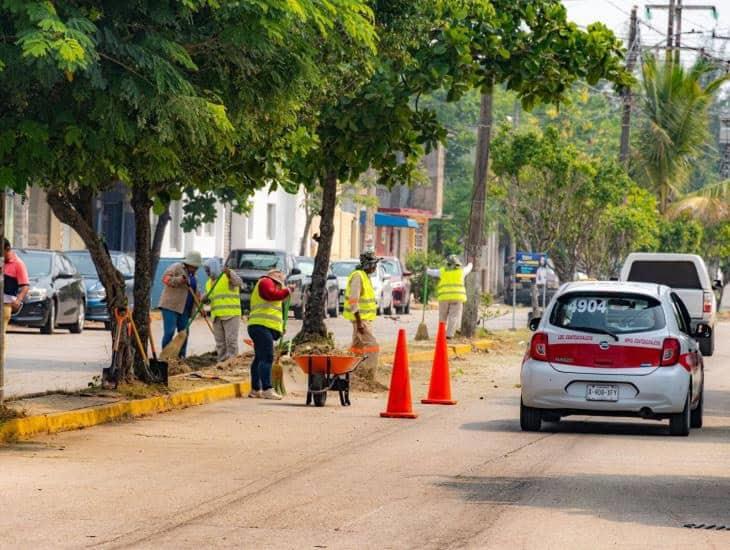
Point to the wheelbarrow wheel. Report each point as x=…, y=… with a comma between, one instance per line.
x=318, y=383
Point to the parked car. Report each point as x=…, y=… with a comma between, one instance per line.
x=301, y=283
x=251, y=264
x=615, y=349
x=380, y=280
x=687, y=275
x=96, y=307
x=56, y=297
x=400, y=282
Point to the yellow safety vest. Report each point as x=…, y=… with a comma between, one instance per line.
x=224, y=302
x=451, y=286
x=265, y=313
x=366, y=304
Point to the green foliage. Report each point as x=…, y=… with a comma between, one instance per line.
x=683, y=235
x=584, y=211
x=674, y=132
x=417, y=263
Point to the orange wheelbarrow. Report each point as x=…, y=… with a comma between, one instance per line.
x=328, y=373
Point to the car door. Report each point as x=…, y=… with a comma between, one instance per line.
x=694, y=357
x=63, y=284
x=126, y=268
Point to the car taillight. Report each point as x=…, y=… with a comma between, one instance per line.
x=707, y=305
x=539, y=347
x=670, y=352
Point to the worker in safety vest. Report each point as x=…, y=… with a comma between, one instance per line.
x=360, y=309
x=225, y=307
x=451, y=292
x=265, y=325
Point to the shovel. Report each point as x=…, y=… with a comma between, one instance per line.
x=173, y=349
x=157, y=367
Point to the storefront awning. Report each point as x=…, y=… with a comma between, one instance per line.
x=388, y=220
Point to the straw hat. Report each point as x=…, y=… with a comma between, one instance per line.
x=193, y=258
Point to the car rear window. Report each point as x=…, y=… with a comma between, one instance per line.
x=677, y=274
x=617, y=313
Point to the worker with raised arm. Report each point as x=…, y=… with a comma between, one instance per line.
x=225, y=307
x=451, y=292
x=361, y=309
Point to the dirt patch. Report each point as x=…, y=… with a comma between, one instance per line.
x=7, y=413
x=207, y=361
x=364, y=384
x=140, y=390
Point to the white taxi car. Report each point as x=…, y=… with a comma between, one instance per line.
x=614, y=349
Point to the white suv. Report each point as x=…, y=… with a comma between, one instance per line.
x=687, y=275
x=615, y=349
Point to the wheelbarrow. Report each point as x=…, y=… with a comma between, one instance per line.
x=328, y=373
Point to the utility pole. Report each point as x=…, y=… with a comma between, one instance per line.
x=626, y=92
x=670, y=30
x=675, y=9
x=678, y=35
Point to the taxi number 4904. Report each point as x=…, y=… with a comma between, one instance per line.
x=587, y=305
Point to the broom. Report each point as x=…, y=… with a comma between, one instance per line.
x=277, y=371
x=422, y=331
x=173, y=349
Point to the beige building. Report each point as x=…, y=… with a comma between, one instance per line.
x=30, y=223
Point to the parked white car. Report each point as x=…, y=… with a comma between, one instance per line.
x=685, y=273
x=380, y=280
x=614, y=349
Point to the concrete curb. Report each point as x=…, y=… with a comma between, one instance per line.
x=456, y=350
x=23, y=428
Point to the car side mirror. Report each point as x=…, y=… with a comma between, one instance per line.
x=534, y=323
x=128, y=276
x=296, y=271
x=702, y=330
x=65, y=275
x=717, y=284
x=386, y=277
x=407, y=273
x=331, y=277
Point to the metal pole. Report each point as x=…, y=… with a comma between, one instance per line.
x=678, y=31
x=670, y=30
x=544, y=295
x=513, y=251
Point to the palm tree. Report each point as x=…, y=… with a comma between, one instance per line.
x=674, y=131
x=711, y=204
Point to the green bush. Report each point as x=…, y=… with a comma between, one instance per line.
x=417, y=263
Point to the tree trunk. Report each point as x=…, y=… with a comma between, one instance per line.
x=477, y=215
x=141, y=205
x=162, y=222
x=314, y=328
x=73, y=209
x=307, y=226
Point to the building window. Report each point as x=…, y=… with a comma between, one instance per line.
x=271, y=221
x=176, y=234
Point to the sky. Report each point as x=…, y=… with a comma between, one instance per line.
x=697, y=26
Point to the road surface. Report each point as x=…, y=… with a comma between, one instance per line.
x=38, y=363
x=255, y=474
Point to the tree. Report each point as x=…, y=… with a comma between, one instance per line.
x=375, y=119
x=538, y=54
x=197, y=99
x=674, y=130
x=585, y=212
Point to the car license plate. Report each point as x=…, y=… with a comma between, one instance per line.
x=602, y=392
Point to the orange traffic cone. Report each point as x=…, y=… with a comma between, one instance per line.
x=439, y=390
x=399, y=397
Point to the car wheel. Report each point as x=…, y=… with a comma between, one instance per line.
x=298, y=312
x=679, y=424
x=389, y=310
x=707, y=345
x=51, y=320
x=335, y=311
x=530, y=418
x=407, y=307
x=107, y=325
x=695, y=418
x=78, y=326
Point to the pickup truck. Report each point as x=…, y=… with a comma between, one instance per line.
x=251, y=264
x=687, y=275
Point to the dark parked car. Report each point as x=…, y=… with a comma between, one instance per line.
x=300, y=284
x=252, y=264
x=96, y=309
x=56, y=297
x=400, y=282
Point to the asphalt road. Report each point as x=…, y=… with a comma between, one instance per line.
x=257, y=474
x=37, y=363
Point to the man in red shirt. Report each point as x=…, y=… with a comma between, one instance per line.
x=16, y=283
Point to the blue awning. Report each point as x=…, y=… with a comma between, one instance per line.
x=388, y=220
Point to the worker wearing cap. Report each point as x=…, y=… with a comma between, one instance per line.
x=451, y=292
x=223, y=289
x=266, y=325
x=361, y=308
x=176, y=302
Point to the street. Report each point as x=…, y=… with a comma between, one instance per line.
x=249, y=473
x=37, y=363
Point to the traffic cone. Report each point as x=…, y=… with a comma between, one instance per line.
x=439, y=390
x=399, y=397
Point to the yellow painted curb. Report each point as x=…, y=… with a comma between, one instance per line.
x=23, y=428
